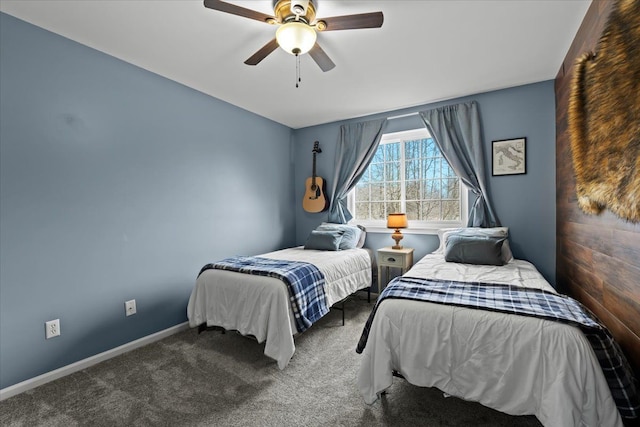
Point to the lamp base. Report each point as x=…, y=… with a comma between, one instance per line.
x=397, y=236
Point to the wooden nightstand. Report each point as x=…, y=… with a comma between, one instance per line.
x=398, y=258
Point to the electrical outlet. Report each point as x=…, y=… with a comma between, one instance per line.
x=52, y=328
x=130, y=307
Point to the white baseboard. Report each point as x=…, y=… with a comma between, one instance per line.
x=34, y=382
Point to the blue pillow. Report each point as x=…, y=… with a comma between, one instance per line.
x=324, y=240
x=350, y=237
x=482, y=250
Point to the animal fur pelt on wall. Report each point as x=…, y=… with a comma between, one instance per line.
x=604, y=118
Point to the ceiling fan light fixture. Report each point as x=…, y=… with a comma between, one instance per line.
x=297, y=27
x=296, y=37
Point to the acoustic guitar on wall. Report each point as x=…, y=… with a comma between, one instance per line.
x=315, y=200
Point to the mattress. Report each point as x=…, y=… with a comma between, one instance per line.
x=259, y=305
x=515, y=364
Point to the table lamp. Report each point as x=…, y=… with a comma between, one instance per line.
x=397, y=221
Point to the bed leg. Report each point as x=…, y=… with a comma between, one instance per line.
x=397, y=374
x=340, y=306
x=203, y=327
x=369, y=295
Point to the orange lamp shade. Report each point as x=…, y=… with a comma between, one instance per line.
x=397, y=220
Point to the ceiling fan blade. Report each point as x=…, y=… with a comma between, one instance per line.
x=352, y=22
x=233, y=9
x=262, y=53
x=322, y=59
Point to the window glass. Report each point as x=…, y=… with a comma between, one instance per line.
x=409, y=174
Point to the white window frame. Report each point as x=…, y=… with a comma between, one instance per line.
x=415, y=227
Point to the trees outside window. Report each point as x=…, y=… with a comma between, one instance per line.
x=409, y=174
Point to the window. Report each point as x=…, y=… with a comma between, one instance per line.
x=409, y=174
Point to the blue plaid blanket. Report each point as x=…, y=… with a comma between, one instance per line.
x=304, y=281
x=525, y=302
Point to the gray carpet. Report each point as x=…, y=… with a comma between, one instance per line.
x=225, y=380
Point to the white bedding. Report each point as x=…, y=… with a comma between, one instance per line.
x=259, y=305
x=515, y=364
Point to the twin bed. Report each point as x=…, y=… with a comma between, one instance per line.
x=261, y=306
x=517, y=364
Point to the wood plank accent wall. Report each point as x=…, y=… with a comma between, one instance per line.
x=598, y=257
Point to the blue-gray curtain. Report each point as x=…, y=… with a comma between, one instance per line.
x=357, y=144
x=456, y=130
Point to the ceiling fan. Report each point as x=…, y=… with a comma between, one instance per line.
x=298, y=26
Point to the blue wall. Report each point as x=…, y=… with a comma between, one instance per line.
x=524, y=203
x=116, y=184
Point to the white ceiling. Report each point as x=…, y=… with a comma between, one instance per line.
x=425, y=51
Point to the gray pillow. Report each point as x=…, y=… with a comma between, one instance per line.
x=324, y=240
x=484, y=250
x=350, y=237
x=444, y=234
x=363, y=236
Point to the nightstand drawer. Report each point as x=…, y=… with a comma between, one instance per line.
x=392, y=260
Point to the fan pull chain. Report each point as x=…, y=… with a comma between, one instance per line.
x=298, y=79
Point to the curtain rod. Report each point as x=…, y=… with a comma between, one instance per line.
x=415, y=113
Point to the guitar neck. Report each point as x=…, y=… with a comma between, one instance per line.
x=313, y=176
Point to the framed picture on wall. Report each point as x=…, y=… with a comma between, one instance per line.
x=509, y=157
